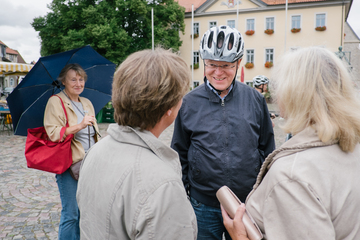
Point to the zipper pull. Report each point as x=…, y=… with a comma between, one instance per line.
x=222, y=102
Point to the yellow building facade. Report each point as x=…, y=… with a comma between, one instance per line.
x=274, y=29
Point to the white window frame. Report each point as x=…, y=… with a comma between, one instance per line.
x=296, y=15
x=210, y=22
x=227, y=23
x=246, y=24
x=253, y=55
x=198, y=28
x=322, y=13
x=196, y=56
x=266, y=23
x=266, y=54
x=11, y=82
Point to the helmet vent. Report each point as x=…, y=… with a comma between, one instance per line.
x=202, y=42
x=220, y=40
x=210, y=39
x=231, y=41
x=239, y=43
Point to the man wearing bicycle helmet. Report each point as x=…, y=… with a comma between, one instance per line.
x=260, y=83
x=222, y=133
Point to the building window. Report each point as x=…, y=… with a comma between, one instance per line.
x=250, y=56
x=196, y=84
x=320, y=20
x=250, y=24
x=212, y=24
x=270, y=23
x=295, y=21
x=196, y=28
x=231, y=23
x=269, y=55
x=196, y=57
x=11, y=82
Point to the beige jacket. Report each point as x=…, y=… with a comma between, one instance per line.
x=310, y=191
x=130, y=188
x=54, y=120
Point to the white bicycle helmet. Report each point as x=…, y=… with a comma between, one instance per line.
x=260, y=80
x=222, y=43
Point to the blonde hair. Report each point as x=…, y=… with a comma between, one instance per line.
x=313, y=88
x=146, y=85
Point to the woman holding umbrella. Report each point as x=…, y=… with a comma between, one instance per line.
x=81, y=115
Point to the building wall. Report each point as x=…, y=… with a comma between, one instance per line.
x=259, y=41
x=352, y=44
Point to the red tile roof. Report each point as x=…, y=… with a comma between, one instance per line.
x=279, y=2
x=187, y=4
x=197, y=3
x=11, y=51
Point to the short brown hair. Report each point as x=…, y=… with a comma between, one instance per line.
x=146, y=85
x=72, y=66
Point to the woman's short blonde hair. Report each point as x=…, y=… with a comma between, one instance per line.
x=146, y=85
x=313, y=88
x=72, y=66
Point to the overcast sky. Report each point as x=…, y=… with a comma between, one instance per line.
x=17, y=33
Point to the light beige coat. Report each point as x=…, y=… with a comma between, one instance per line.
x=55, y=119
x=130, y=188
x=310, y=191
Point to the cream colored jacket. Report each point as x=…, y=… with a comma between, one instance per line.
x=130, y=188
x=54, y=120
x=308, y=190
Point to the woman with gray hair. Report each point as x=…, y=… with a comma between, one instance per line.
x=130, y=184
x=308, y=188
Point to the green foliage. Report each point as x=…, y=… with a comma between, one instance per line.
x=114, y=28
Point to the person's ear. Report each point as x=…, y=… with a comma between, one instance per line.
x=238, y=63
x=168, y=112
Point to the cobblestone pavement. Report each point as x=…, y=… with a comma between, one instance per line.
x=29, y=199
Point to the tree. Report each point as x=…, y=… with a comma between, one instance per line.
x=114, y=28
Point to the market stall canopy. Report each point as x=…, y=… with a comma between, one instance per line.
x=11, y=68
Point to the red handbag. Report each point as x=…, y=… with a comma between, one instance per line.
x=43, y=154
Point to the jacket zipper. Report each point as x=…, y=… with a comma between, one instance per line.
x=222, y=102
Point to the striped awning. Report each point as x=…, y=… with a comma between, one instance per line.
x=6, y=67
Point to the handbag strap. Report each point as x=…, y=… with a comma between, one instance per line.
x=63, y=129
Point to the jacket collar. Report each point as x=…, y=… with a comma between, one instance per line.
x=213, y=97
x=145, y=139
x=304, y=140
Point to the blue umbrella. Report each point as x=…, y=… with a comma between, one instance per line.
x=28, y=100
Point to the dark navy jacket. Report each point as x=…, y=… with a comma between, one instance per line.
x=222, y=143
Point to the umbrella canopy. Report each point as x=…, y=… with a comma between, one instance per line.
x=28, y=100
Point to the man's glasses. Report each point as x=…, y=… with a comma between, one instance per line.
x=212, y=66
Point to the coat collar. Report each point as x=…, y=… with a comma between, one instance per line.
x=213, y=97
x=304, y=140
x=145, y=139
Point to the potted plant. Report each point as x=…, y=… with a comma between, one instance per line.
x=249, y=65
x=269, y=64
x=196, y=66
x=323, y=28
x=269, y=31
x=295, y=30
x=249, y=32
x=196, y=35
